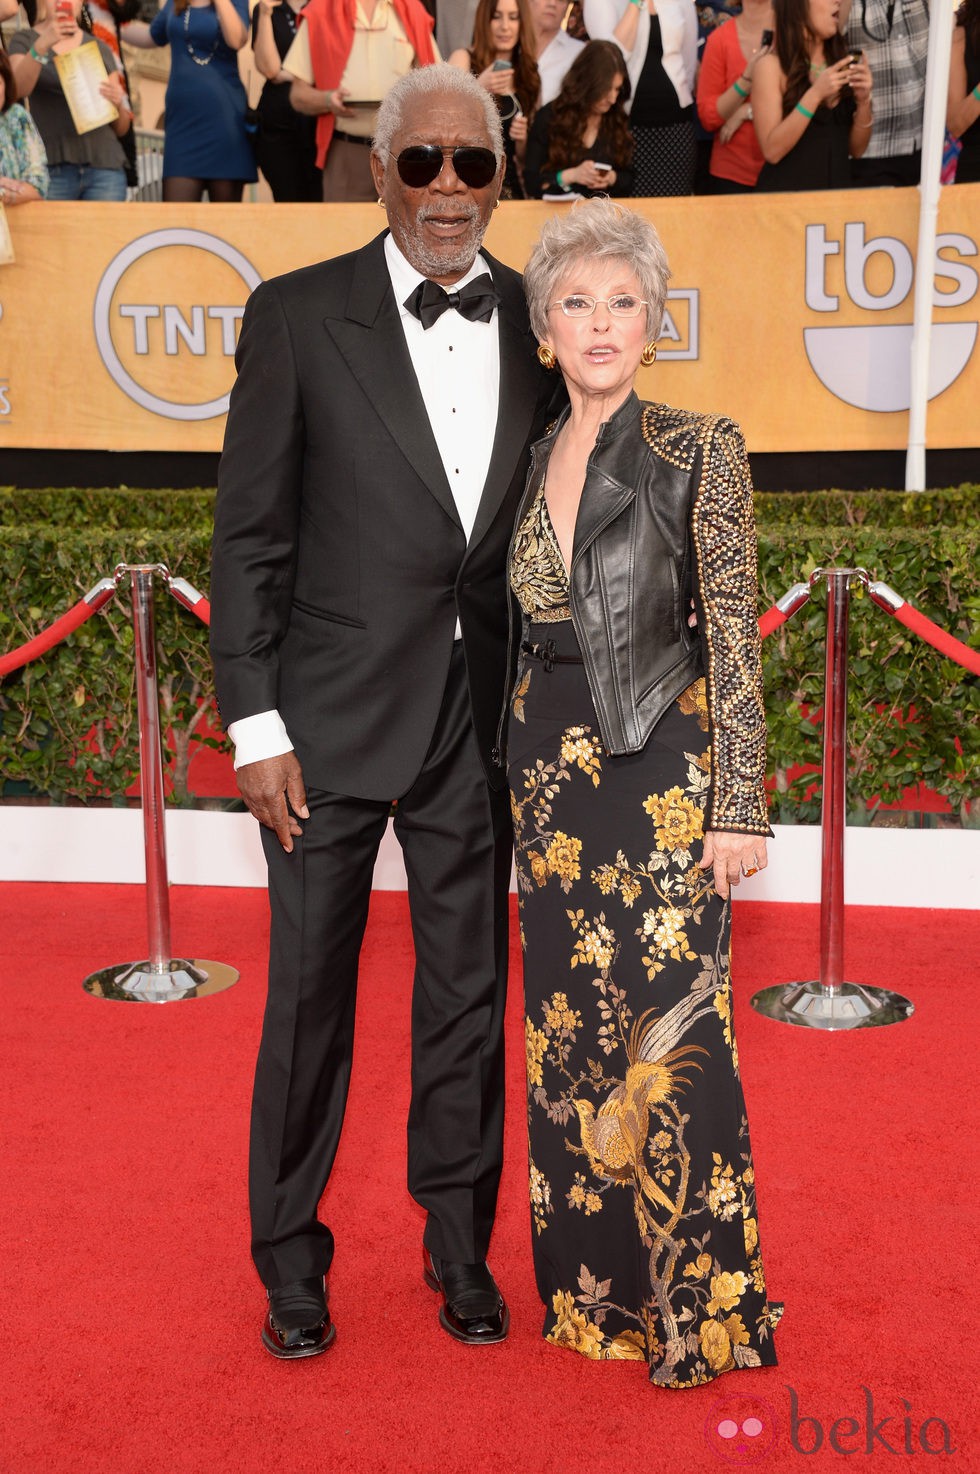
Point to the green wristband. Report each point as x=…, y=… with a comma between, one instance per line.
x=42, y=61
x=804, y=110
x=740, y=90
x=975, y=94
x=559, y=180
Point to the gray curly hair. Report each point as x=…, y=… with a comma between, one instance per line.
x=596, y=230
x=424, y=82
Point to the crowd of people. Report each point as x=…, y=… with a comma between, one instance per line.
x=620, y=97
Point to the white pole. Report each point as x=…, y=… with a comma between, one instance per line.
x=933, y=132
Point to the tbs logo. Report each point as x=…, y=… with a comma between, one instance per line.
x=868, y=366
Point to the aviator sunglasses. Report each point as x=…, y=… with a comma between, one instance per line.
x=420, y=164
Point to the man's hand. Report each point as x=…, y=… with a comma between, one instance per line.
x=731, y=856
x=271, y=788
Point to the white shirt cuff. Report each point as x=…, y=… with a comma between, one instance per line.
x=258, y=737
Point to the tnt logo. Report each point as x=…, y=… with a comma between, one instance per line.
x=868, y=365
x=166, y=349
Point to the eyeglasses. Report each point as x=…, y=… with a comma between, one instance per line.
x=420, y=164
x=624, y=304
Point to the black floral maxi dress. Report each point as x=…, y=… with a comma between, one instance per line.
x=643, y=1204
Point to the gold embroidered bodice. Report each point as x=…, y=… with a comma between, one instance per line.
x=538, y=575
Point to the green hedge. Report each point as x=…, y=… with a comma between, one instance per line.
x=911, y=714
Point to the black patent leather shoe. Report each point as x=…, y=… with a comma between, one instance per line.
x=473, y=1309
x=298, y=1322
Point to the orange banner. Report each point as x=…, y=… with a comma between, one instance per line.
x=791, y=313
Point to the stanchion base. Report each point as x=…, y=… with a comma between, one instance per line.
x=847, y=1006
x=136, y=982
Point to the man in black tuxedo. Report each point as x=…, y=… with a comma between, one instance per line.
x=375, y=451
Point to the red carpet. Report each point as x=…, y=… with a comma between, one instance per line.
x=132, y=1311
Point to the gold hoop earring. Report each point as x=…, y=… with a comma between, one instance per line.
x=381, y=202
x=546, y=357
x=649, y=355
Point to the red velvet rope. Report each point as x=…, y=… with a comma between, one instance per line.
x=191, y=598
x=771, y=620
x=947, y=644
x=60, y=630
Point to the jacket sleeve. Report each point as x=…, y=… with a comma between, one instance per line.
x=711, y=83
x=256, y=516
x=723, y=529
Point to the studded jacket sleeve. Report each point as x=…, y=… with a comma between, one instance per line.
x=723, y=531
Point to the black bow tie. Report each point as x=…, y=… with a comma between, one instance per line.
x=476, y=301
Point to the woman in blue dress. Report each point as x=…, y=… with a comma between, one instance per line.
x=206, y=146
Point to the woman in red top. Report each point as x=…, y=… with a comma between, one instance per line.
x=725, y=97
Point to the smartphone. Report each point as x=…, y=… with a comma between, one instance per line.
x=64, y=10
x=767, y=39
x=601, y=168
x=855, y=54
x=502, y=66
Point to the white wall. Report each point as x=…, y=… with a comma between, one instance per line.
x=883, y=867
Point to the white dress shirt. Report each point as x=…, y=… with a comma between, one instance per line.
x=678, y=34
x=457, y=364
x=554, y=62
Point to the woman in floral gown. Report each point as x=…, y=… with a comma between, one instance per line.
x=636, y=762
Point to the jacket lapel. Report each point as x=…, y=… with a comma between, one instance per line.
x=372, y=341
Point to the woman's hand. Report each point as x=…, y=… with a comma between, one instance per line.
x=114, y=90
x=831, y=82
x=500, y=83
x=859, y=77
x=588, y=175
x=16, y=191
x=731, y=125
x=731, y=856
x=517, y=128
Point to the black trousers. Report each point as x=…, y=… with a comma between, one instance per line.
x=456, y=838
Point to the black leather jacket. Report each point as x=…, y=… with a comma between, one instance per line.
x=666, y=517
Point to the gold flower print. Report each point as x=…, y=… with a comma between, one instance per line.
x=520, y=691
x=535, y=1043
x=582, y=749
x=562, y=857
x=540, y=1190
x=678, y=821
x=694, y=702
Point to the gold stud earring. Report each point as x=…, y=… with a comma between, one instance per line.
x=546, y=357
x=649, y=355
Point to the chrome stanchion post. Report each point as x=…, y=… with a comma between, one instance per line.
x=832, y=1003
x=151, y=771
x=158, y=978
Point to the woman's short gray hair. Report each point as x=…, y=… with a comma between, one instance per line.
x=596, y=230
x=424, y=82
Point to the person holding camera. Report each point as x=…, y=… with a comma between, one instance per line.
x=725, y=97
x=501, y=59
x=207, y=147
x=82, y=166
x=23, y=168
x=343, y=63
x=286, y=143
x=963, y=109
x=811, y=100
x=659, y=39
x=581, y=144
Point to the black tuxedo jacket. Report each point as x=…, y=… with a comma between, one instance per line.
x=339, y=562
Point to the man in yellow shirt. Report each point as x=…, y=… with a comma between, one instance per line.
x=345, y=59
